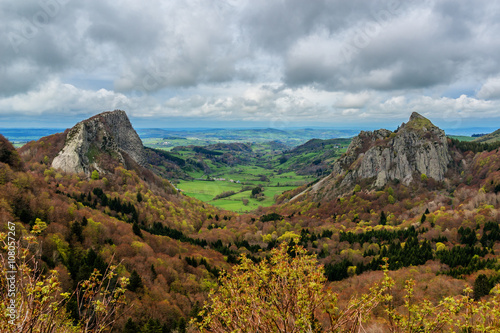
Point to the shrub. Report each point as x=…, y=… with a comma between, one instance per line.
x=95, y=175
x=283, y=294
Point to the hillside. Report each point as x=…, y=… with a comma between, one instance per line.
x=489, y=138
x=8, y=154
x=121, y=215
x=441, y=229
x=315, y=157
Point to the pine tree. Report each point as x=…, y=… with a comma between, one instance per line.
x=137, y=230
x=130, y=327
x=153, y=272
x=76, y=229
x=482, y=287
x=135, y=281
x=383, y=218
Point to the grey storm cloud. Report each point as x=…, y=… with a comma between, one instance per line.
x=249, y=58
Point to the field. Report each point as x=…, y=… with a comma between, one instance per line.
x=461, y=137
x=242, y=181
x=223, y=167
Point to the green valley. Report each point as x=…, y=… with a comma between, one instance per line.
x=226, y=174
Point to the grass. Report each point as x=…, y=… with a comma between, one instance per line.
x=461, y=137
x=207, y=190
x=241, y=172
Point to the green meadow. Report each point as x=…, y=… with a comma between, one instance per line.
x=242, y=200
x=222, y=167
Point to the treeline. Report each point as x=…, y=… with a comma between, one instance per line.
x=170, y=157
x=475, y=147
x=98, y=197
x=232, y=257
x=203, y=262
x=378, y=236
x=403, y=249
x=464, y=260
x=205, y=151
x=413, y=253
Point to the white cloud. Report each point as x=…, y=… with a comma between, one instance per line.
x=490, y=89
x=279, y=61
x=56, y=97
x=354, y=101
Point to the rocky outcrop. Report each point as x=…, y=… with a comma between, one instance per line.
x=100, y=143
x=417, y=148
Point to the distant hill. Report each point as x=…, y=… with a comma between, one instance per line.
x=315, y=157
x=489, y=138
x=289, y=137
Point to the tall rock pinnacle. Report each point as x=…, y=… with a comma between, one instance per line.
x=101, y=143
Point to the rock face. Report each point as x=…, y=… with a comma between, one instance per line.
x=417, y=148
x=100, y=143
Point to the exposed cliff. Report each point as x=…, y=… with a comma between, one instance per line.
x=417, y=148
x=100, y=143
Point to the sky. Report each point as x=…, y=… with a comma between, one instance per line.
x=250, y=63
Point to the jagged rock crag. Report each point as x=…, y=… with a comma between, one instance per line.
x=100, y=143
x=417, y=147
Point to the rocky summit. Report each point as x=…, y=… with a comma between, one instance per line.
x=416, y=149
x=100, y=143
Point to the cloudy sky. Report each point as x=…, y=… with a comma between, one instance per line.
x=265, y=63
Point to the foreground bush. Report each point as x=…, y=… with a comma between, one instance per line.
x=288, y=293
x=40, y=304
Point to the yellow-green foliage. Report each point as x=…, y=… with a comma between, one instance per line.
x=282, y=294
x=41, y=304
x=440, y=246
x=288, y=236
x=391, y=199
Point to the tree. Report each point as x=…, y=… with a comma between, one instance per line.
x=41, y=304
x=130, y=327
x=482, y=287
x=95, y=175
x=137, y=230
x=256, y=191
x=135, y=281
x=383, y=218
x=391, y=199
x=76, y=229
x=283, y=294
